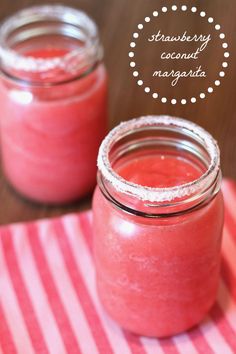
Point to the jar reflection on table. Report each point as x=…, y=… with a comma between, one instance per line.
x=53, y=91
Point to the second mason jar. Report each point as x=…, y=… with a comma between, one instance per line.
x=53, y=92
x=158, y=217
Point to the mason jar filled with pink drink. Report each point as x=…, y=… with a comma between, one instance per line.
x=158, y=218
x=53, y=94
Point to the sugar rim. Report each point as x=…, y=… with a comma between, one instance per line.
x=152, y=194
x=20, y=62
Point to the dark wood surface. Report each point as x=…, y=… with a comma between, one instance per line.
x=117, y=20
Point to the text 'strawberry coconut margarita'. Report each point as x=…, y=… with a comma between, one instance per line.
x=53, y=93
x=158, y=217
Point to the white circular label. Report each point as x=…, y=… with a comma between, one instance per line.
x=179, y=54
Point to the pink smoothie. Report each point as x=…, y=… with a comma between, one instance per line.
x=50, y=135
x=157, y=277
x=159, y=171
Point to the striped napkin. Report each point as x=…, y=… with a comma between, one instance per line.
x=49, y=302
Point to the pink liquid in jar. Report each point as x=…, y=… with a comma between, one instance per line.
x=52, y=120
x=156, y=276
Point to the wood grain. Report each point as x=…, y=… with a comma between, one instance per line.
x=117, y=20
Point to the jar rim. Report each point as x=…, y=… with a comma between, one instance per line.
x=34, y=14
x=156, y=194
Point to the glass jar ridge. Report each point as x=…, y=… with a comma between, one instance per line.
x=36, y=22
x=159, y=131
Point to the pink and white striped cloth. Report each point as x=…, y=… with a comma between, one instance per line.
x=49, y=302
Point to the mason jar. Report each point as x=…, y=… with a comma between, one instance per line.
x=53, y=92
x=158, y=218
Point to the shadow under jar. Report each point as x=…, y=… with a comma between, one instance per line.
x=53, y=93
x=158, y=218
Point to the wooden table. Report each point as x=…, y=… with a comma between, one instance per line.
x=117, y=20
